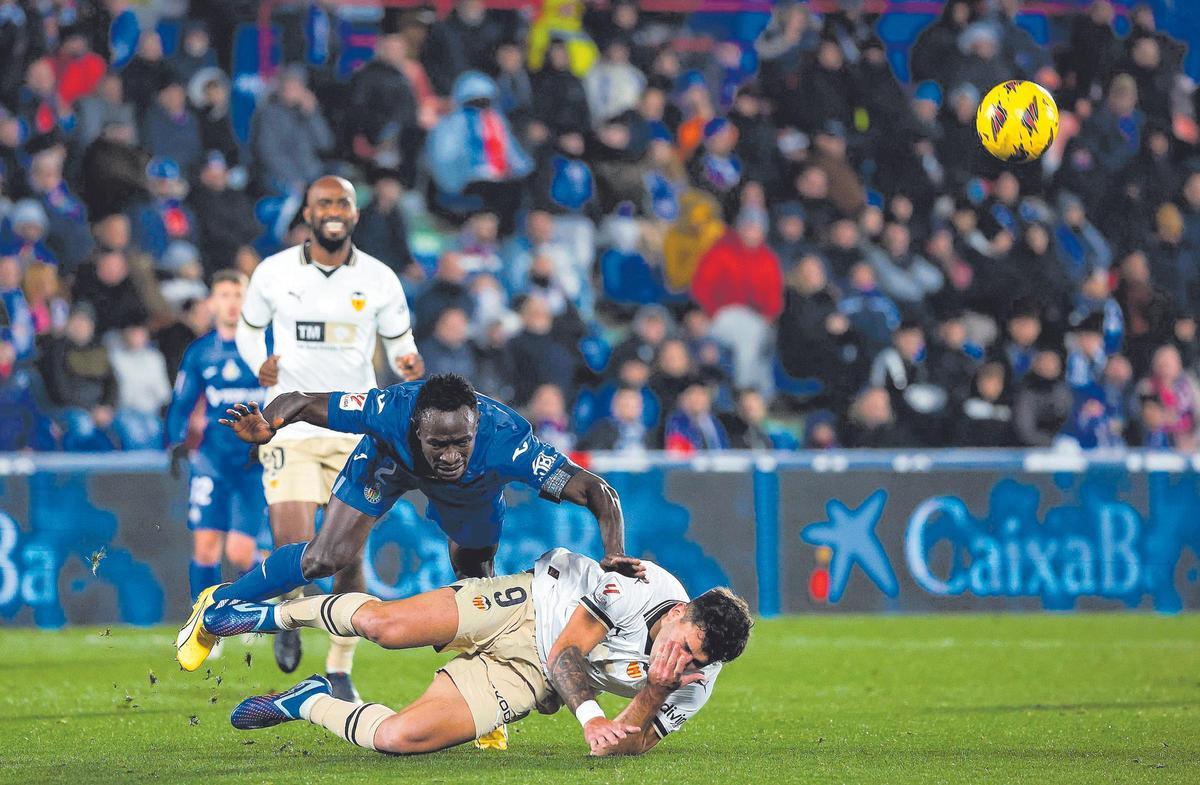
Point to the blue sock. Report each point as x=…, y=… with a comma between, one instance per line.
x=201, y=576
x=278, y=574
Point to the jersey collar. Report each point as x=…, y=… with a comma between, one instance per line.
x=306, y=257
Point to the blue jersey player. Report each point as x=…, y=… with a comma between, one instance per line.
x=439, y=436
x=226, y=506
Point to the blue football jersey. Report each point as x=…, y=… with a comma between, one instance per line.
x=505, y=448
x=213, y=368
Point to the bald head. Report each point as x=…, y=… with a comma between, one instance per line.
x=331, y=212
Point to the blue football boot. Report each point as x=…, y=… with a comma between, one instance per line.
x=265, y=711
x=237, y=617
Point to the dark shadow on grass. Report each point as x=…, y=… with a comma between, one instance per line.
x=1050, y=707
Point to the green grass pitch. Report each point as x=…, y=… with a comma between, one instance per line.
x=845, y=699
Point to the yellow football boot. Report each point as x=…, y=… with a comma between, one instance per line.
x=193, y=643
x=496, y=740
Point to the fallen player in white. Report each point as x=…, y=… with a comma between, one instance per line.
x=535, y=640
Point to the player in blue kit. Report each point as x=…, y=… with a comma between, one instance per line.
x=226, y=509
x=438, y=436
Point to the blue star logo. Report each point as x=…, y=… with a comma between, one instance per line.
x=851, y=536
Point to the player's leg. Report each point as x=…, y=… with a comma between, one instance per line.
x=208, y=526
x=205, y=567
x=440, y=718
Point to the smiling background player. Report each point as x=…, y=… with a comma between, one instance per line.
x=326, y=301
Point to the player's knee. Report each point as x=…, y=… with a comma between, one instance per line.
x=375, y=624
x=206, y=547
x=240, y=554
x=403, y=735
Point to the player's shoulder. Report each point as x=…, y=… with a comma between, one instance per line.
x=199, y=345
x=500, y=416
x=369, y=266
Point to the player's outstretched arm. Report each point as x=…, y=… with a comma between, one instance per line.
x=670, y=669
x=259, y=426
x=568, y=675
x=592, y=491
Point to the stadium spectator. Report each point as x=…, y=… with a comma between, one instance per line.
x=1017, y=349
x=195, y=52
x=984, y=419
x=908, y=278
x=872, y=315
x=693, y=426
x=113, y=173
x=79, y=381
x=1177, y=394
x=749, y=429
x=548, y=415
x=1043, y=403
x=143, y=389
x=208, y=93
x=674, y=370
x=170, y=129
x=185, y=275
x=17, y=329
x=540, y=355
x=815, y=339
x=288, y=135
x=105, y=284
x=699, y=226
x=194, y=320
x=382, y=231
x=23, y=424
x=1093, y=50
x=904, y=371
x=1080, y=246
x=1113, y=133
x=624, y=429
x=97, y=109
x=651, y=326
x=560, y=102
x=739, y=283
x=447, y=289
x=873, y=423
x=494, y=372
x=447, y=349
x=1147, y=309
x=146, y=72
x=466, y=39
x=43, y=295
x=485, y=173
x=225, y=218
x=23, y=234
x=382, y=110
x=164, y=216
x=613, y=86
x=68, y=236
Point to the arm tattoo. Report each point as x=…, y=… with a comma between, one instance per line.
x=568, y=674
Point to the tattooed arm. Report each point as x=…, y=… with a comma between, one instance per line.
x=567, y=668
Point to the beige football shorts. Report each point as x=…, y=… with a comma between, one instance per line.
x=498, y=671
x=303, y=470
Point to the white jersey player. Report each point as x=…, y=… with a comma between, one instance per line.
x=326, y=301
x=558, y=634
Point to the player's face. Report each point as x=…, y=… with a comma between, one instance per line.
x=331, y=212
x=676, y=627
x=447, y=440
x=226, y=301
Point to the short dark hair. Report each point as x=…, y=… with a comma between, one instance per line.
x=445, y=392
x=724, y=618
x=229, y=276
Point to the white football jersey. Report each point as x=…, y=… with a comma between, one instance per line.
x=628, y=608
x=324, y=323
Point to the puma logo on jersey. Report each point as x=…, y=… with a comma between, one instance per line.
x=524, y=446
x=296, y=295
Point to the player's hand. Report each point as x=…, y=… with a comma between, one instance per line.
x=671, y=669
x=249, y=424
x=410, y=366
x=625, y=565
x=179, y=459
x=601, y=733
x=268, y=373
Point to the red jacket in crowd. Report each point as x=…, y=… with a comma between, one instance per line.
x=730, y=273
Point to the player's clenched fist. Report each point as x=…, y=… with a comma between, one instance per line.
x=602, y=733
x=268, y=373
x=410, y=366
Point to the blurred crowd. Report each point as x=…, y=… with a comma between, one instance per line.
x=759, y=239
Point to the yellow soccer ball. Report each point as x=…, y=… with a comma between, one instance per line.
x=1017, y=121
